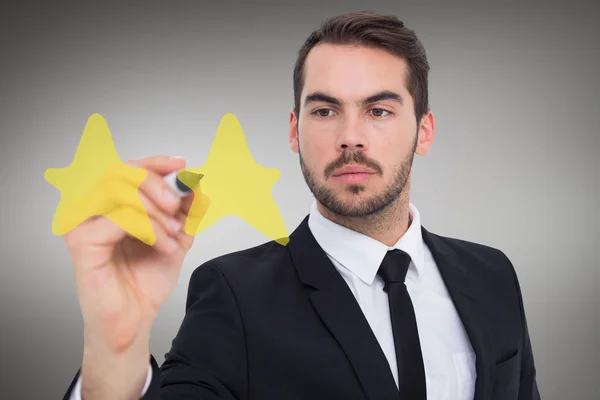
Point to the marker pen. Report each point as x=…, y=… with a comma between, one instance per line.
x=175, y=180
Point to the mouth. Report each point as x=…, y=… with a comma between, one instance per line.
x=353, y=174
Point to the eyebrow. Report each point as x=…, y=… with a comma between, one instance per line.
x=380, y=96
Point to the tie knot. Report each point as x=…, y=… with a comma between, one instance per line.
x=394, y=266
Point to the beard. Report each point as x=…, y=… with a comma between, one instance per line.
x=357, y=206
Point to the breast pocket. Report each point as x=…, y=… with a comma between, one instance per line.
x=507, y=378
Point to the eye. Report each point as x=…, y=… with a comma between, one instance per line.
x=379, y=112
x=322, y=112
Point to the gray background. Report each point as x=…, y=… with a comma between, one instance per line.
x=514, y=164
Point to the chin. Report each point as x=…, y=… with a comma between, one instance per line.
x=354, y=191
x=353, y=199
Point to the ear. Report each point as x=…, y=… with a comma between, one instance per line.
x=426, y=133
x=293, y=131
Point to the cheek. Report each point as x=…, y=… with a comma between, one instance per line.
x=315, y=140
x=395, y=140
x=314, y=156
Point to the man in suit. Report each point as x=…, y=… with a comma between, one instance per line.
x=362, y=303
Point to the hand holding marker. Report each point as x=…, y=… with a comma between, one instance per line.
x=120, y=282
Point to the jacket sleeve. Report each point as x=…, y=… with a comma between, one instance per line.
x=528, y=389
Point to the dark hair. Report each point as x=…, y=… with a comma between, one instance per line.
x=367, y=28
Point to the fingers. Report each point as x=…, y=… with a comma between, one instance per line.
x=153, y=200
x=157, y=198
x=147, y=229
x=169, y=222
x=194, y=204
x=133, y=221
x=161, y=165
x=196, y=210
x=155, y=189
x=136, y=208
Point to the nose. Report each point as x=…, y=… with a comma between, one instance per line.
x=352, y=136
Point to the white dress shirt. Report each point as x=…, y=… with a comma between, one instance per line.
x=447, y=353
x=448, y=357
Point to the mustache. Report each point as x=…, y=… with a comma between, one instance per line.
x=357, y=157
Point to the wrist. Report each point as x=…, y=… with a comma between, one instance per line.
x=111, y=376
x=116, y=343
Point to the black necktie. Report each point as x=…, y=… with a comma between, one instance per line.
x=411, y=372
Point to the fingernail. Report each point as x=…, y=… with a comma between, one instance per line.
x=174, y=225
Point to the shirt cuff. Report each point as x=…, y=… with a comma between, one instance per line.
x=76, y=394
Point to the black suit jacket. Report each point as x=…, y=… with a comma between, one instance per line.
x=279, y=322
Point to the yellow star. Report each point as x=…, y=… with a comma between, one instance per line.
x=97, y=182
x=237, y=185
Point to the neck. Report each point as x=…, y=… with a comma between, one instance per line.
x=386, y=226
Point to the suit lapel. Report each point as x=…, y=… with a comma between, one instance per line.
x=467, y=298
x=338, y=309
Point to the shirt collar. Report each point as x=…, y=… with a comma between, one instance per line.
x=361, y=254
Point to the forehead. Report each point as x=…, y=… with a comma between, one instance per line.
x=353, y=71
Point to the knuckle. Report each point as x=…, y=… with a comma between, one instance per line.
x=147, y=205
x=72, y=240
x=154, y=188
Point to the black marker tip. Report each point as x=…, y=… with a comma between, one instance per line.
x=187, y=181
